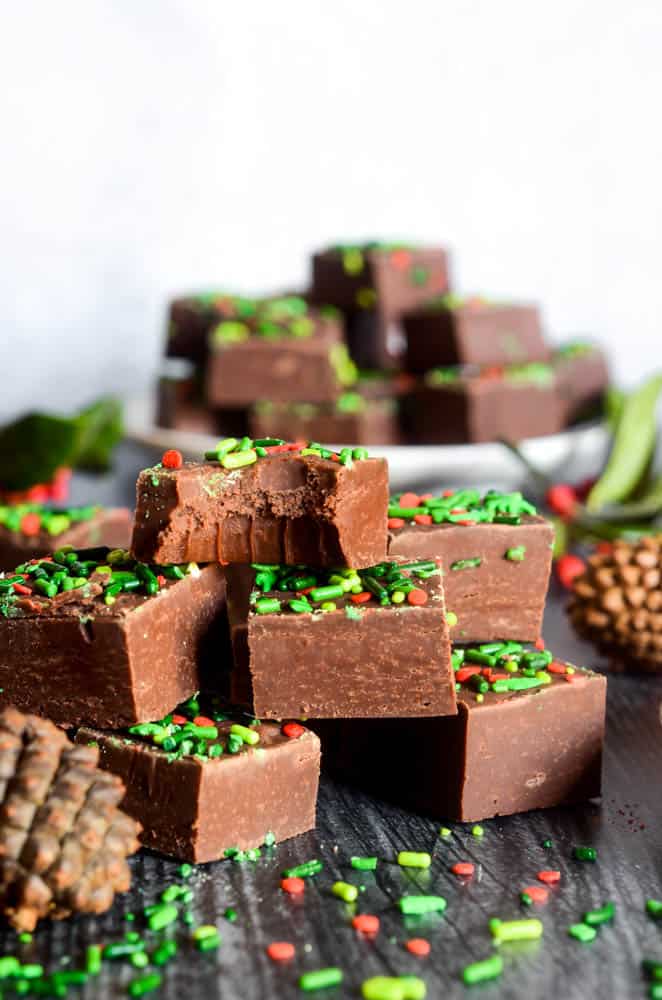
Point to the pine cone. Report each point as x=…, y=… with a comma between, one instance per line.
x=617, y=603
x=63, y=839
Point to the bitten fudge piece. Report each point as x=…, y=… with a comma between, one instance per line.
x=288, y=352
x=353, y=417
x=339, y=644
x=450, y=330
x=582, y=376
x=265, y=501
x=495, y=553
x=374, y=283
x=456, y=405
x=207, y=788
x=528, y=735
x=92, y=636
x=33, y=529
x=191, y=317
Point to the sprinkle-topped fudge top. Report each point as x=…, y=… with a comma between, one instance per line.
x=489, y=672
x=238, y=453
x=462, y=507
x=302, y=590
x=104, y=581
x=272, y=319
x=32, y=519
x=537, y=373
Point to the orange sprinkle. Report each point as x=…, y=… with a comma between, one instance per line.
x=396, y=522
x=400, y=259
x=295, y=886
x=361, y=598
x=555, y=667
x=179, y=720
x=409, y=500
x=463, y=868
x=537, y=893
x=293, y=730
x=202, y=720
x=423, y=519
x=366, y=923
x=417, y=597
x=30, y=524
x=280, y=951
x=549, y=877
x=539, y=643
x=418, y=946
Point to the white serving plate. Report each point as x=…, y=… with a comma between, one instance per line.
x=575, y=454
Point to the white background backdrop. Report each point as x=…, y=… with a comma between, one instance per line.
x=150, y=146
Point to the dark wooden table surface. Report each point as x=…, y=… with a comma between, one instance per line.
x=625, y=828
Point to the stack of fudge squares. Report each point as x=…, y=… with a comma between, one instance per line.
x=378, y=350
x=276, y=600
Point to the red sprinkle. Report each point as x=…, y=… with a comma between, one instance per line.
x=423, y=519
x=539, y=643
x=280, y=951
x=172, y=459
x=418, y=946
x=179, y=720
x=161, y=580
x=466, y=523
x=361, y=598
x=417, y=597
x=555, y=667
x=549, y=877
x=396, y=522
x=463, y=868
x=19, y=588
x=562, y=499
x=295, y=886
x=409, y=500
x=401, y=259
x=366, y=923
x=30, y=524
x=447, y=493
x=38, y=493
x=464, y=673
x=568, y=568
x=425, y=496
x=293, y=730
x=536, y=893
x=202, y=720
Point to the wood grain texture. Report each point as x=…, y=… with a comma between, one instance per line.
x=625, y=828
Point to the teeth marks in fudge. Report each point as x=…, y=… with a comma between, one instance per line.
x=300, y=590
x=463, y=507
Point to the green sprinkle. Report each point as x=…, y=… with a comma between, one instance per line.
x=247, y=735
x=601, y=915
x=329, y=593
x=304, y=870
x=414, y=859
x=140, y=960
x=25, y=937
x=267, y=606
x=516, y=930
x=144, y=984
x=162, y=917
x=483, y=971
x=547, y=844
x=445, y=832
x=393, y=988
x=585, y=854
x=230, y=914
x=320, y=979
x=466, y=563
x=165, y=951
x=654, y=908
x=345, y=891
x=516, y=554
x=239, y=459
x=9, y=966
x=652, y=968
x=451, y=619
x=655, y=991
x=363, y=864
x=477, y=830
x=414, y=905
x=582, y=932
x=269, y=839
x=206, y=937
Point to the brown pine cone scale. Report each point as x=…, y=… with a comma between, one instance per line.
x=64, y=842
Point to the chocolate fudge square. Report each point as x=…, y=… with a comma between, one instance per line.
x=450, y=330
x=91, y=636
x=495, y=552
x=265, y=501
x=207, y=788
x=373, y=284
x=289, y=352
x=459, y=405
x=353, y=417
x=320, y=644
x=526, y=737
x=582, y=376
x=28, y=530
x=191, y=317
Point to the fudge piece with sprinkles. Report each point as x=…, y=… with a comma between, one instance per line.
x=93, y=636
x=28, y=530
x=217, y=785
x=457, y=405
x=343, y=643
x=265, y=501
x=528, y=735
x=582, y=376
x=352, y=417
x=452, y=330
x=495, y=553
x=374, y=283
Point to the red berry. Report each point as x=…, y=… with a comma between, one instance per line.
x=568, y=568
x=562, y=499
x=172, y=459
x=293, y=730
x=30, y=525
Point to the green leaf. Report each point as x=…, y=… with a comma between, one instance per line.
x=33, y=447
x=101, y=429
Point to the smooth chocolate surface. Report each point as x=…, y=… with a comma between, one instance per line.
x=202, y=808
x=344, y=656
x=511, y=752
x=374, y=284
x=495, y=574
x=77, y=659
x=352, y=418
x=448, y=331
x=284, y=508
x=83, y=527
x=454, y=406
x=582, y=376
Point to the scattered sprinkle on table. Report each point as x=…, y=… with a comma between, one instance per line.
x=418, y=946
